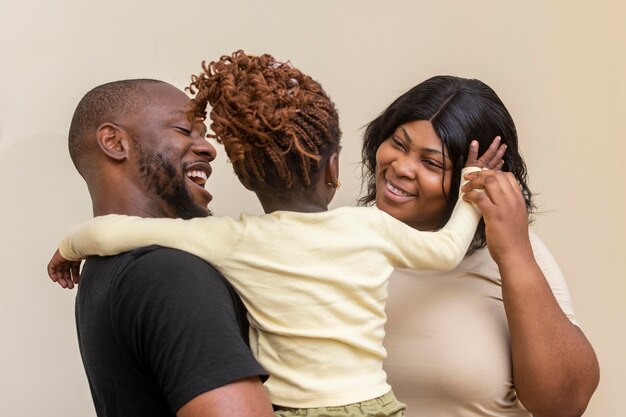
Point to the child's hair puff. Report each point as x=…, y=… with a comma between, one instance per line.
x=272, y=119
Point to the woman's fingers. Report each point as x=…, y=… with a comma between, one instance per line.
x=490, y=178
x=493, y=183
x=497, y=194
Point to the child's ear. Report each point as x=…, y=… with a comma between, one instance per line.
x=113, y=141
x=332, y=170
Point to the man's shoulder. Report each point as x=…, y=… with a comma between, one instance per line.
x=160, y=259
x=158, y=262
x=155, y=253
x=154, y=267
x=158, y=278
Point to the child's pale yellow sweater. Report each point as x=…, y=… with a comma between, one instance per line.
x=314, y=284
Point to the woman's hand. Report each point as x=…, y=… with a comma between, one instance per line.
x=504, y=210
x=491, y=159
x=555, y=370
x=65, y=273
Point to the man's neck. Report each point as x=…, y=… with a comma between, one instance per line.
x=128, y=203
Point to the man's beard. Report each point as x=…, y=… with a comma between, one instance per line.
x=162, y=179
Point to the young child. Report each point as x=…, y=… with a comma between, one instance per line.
x=314, y=281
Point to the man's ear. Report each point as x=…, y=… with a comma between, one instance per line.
x=332, y=170
x=113, y=141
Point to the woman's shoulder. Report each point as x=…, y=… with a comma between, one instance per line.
x=481, y=259
x=481, y=262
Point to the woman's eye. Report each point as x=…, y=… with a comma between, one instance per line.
x=433, y=164
x=397, y=142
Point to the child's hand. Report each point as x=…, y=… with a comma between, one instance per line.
x=65, y=273
x=491, y=159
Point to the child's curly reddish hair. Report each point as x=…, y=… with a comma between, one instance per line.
x=276, y=123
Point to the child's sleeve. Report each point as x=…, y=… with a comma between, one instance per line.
x=441, y=250
x=210, y=238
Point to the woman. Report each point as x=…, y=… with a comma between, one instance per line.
x=496, y=336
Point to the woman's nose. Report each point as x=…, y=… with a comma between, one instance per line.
x=405, y=167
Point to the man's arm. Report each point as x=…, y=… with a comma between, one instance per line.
x=243, y=398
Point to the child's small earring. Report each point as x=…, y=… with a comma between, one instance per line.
x=337, y=185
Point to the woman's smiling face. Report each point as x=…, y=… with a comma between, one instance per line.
x=413, y=173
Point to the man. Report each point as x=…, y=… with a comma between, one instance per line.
x=160, y=331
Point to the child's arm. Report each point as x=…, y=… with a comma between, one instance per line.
x=444, y=249
x=209, y=238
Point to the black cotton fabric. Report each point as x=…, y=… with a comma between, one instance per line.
x=156, y=328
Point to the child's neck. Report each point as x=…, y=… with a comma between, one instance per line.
x=313, y=199
x=300, y=206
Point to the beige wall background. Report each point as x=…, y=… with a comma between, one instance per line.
x=560, y=66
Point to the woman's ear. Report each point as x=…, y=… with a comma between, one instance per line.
x=112, y=141
x=332, y=170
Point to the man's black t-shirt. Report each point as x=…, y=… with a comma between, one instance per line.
x=156, y=328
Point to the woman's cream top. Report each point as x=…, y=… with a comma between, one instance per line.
x=447, y=337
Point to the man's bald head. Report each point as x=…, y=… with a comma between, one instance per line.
x=136, y=146
x=106, y=103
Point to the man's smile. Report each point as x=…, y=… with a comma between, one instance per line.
x=197, y=176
